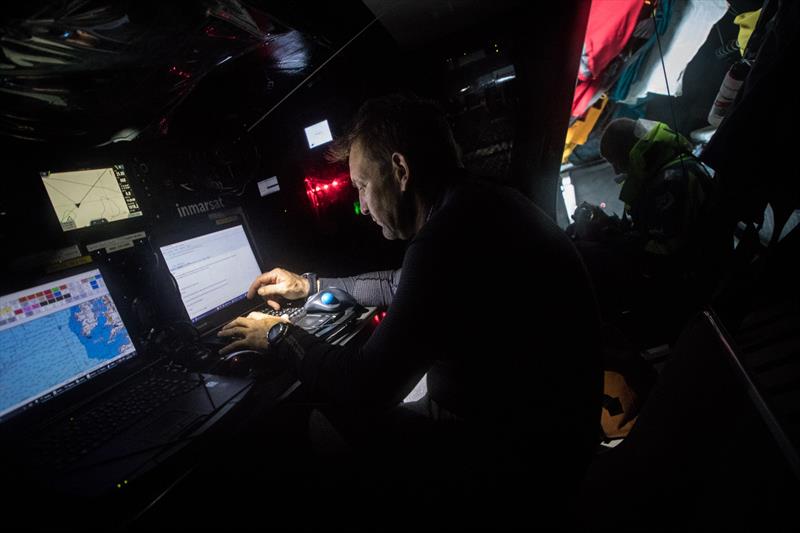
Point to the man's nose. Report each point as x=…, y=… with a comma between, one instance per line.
x=363, y=205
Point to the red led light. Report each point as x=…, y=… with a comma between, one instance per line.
x=212, y=31
x=326, y=190
x=179, y=72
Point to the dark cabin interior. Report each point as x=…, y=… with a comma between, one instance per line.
x=204, y=104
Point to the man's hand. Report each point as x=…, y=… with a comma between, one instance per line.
x=279, y=282
x=248, y=333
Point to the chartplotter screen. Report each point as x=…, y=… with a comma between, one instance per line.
x=89, y=197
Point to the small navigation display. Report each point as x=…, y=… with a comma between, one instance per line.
x=318, y=134
x=89, y=197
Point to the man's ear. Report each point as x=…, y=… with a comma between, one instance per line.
x=400, y=170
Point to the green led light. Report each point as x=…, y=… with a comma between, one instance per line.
x=357, y=207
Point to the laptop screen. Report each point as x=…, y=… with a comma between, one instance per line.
x=55, y=336
x=213, y=271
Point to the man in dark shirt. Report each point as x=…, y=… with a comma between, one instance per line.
x=492, y=302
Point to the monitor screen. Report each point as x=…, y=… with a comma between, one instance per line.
x=88, y=197
x=318, y=134
x=55, y=336
x=213, y=271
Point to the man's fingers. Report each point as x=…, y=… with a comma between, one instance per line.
x=271, y=291
x=230, y=332
x=273, y=304
x=267, y=278
x=232, y=347
x=236, y=322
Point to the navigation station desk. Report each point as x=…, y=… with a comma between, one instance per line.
x=253, y=449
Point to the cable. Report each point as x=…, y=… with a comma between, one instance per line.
x=664, y=69
x=313, y=73
x=669, y=96
x=202, y=379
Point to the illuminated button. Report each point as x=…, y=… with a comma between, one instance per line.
x=327, y=298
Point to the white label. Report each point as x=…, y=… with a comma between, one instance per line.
x=268, y=186
x=119, y=243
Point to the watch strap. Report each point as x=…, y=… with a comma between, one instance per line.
x=313, y=282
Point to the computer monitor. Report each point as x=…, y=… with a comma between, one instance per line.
x=90, y=197
x=213, y=272
x=55, y=336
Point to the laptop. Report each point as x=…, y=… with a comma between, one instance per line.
x=214, y=270
x=84, y=407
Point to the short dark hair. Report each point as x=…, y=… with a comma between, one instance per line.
x=404, y=123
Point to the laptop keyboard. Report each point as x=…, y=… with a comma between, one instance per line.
x=294, y=313
x=78, y=435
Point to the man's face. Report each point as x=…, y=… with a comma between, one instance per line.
x=380, y=196
x=620, y=164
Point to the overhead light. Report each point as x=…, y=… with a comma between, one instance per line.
x=505, y=79
x=464, y=89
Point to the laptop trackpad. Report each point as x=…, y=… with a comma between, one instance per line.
x=168, y=425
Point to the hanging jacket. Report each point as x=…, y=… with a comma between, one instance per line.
x=608, y=30
x=747, y=23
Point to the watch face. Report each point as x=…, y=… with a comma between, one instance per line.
x=276, y=332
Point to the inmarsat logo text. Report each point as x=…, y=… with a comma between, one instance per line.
x=199, y=207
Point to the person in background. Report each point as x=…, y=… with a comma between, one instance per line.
x=664, y=187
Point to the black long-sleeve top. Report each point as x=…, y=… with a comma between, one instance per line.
x=493, y=302
x=370, y=289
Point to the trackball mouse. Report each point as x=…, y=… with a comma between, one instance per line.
x=330, y=300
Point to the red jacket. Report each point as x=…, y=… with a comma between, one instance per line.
x=611, y=24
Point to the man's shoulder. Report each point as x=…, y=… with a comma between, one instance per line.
x=471, y=190
x=480, y=209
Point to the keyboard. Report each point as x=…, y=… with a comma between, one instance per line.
x=73, y=438
x=295, y=313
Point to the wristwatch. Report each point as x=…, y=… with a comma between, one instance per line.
x=276, y=333
x=313, y=285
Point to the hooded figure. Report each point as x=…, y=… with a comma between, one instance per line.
x=664, y=186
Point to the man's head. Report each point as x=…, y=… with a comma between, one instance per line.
x=400, y=150
x=617, y=141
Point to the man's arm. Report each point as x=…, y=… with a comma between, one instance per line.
x=370, y=289
x=385, y=369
